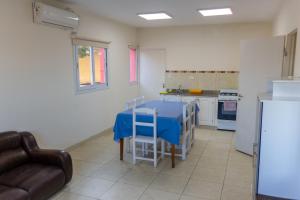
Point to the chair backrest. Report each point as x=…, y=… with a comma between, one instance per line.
x=193, y=113
x=130, y=104
x=139, y=100
x=186, y=118
x=12, y=153
x=145, y=112
x=134, y=102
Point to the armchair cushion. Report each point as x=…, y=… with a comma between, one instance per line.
x=8, y=193
x=12, y=158
x=11, y=152
x=40, y=181
x=10, y=140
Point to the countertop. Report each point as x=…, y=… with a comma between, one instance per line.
x=205, y=93
x=270, y=97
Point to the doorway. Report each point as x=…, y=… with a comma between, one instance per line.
x=289, y=54
x=152, y=72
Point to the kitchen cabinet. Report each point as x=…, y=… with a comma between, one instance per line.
x=208, y=111
x=208, y=107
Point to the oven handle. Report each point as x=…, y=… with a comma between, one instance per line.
x=226, y=100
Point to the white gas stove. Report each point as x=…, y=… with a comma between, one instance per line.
x=227, y=109
x=228, y=94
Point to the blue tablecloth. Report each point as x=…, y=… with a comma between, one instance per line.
x=169, y=121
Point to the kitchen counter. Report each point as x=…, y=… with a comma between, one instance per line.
x=205, y=93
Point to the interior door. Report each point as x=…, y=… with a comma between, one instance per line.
x=152, y=72
x=289, y=55
x=261, y=62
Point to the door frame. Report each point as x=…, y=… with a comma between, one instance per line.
x=289, y=54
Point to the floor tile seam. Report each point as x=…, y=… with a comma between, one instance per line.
x=227, y=162
x=193, y=171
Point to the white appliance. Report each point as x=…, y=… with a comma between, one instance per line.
x=261, y=62
x=227, y=108
x=277, y=149
x=49, y=15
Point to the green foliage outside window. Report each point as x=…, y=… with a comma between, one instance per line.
x=83, y=51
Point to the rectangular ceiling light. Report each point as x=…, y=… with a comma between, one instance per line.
x=216, y=12
x=155, y=16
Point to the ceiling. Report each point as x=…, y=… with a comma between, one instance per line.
x=184, y=12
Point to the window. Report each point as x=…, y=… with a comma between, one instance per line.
x=91, y=65
x=133, y=72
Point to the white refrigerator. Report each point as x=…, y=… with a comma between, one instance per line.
x=261, y=62
x=277, y=153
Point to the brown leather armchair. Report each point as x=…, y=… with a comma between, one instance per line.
x=28, y=172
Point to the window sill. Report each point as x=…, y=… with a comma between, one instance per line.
x=134, y=83
x=90, y=89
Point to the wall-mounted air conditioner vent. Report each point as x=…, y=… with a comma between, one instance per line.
x=49, y=15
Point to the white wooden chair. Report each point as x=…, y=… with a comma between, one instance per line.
x=186, y=130
x=137, y=138
x=131, y=105
x=139, y=100
x=191, y=139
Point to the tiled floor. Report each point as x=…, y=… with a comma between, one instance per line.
x=212, y=171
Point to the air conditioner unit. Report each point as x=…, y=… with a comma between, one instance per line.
x=50, y=15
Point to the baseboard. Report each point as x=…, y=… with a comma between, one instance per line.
x=74, y=146
x=263, y=197
x=207, y=127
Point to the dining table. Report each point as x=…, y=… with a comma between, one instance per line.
x=169, y=124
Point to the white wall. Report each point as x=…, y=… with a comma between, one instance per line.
x=287, y=20
x=206, y=47
x=37, y=89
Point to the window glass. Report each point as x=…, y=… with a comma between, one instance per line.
x=100, y=63
x=133, y=65
x=84, y=65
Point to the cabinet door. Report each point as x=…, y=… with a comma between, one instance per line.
x=206, y=111
x=188, y=99
x=171, y=98
x=214, y=111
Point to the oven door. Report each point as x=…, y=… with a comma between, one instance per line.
x=226, y=114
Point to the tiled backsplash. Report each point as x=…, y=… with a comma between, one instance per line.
x=205, y=80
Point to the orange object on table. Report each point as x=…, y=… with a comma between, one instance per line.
x=195, y=91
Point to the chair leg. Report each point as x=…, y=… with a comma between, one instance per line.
x=188, y=142
x=133, y=151
x=193, y=136
x=183, y=150
x=146, y=149
x=143, y=149
x=155, y=153
x=128, y=149
x=162, y=149
x=168, y=146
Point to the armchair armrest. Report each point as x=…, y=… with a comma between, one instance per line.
x=58, y=158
